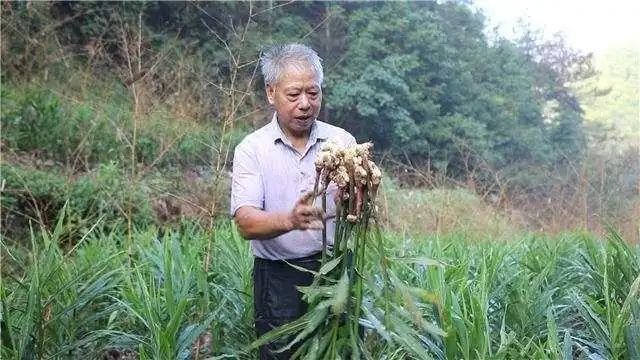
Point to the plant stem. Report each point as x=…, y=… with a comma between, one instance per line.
x=359, y=264
x=337, y=238
x=315, y=188
x=324, y=227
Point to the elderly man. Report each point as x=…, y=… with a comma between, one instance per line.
x=273, y=174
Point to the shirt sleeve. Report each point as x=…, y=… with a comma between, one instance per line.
x=246, y=180
x=351, y=141
x=343, y=138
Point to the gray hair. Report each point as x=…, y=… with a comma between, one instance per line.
x=277, y=58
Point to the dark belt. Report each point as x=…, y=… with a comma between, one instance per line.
x=314, y=257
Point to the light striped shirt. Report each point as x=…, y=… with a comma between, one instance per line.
x=270, y=174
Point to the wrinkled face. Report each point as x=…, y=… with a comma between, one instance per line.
x=297, y=97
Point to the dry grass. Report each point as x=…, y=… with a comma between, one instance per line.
x=421, y=211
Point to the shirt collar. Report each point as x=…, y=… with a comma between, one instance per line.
x=318, y=132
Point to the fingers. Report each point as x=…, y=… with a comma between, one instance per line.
x=306, y=198
x=314, y=216
x=308, y=217
x=312, y=225
x=305, y=216
x=310, y=211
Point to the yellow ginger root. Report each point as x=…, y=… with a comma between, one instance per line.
x=345, y=166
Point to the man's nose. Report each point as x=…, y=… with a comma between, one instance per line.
x=304, y=104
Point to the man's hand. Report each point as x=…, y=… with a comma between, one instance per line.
x=258, y=224
x=305, y=216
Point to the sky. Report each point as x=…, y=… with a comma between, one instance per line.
x=587, y=25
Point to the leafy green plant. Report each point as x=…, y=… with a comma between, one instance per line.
x=159, y=294
x=438, y=296
x=52, y=303
x=38, y=195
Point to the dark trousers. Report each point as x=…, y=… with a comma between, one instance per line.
x=276, y=300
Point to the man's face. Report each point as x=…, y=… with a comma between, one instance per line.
x=297, y=97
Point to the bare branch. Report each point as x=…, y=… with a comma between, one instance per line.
x=226, y=45
x=195, y=3
x=273, y=7
x=329, y=16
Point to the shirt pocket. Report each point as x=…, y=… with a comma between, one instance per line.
x=280, y=191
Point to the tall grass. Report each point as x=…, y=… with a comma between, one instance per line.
x=566, y=297
x=80, y=302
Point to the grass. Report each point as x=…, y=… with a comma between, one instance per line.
x=571, y=296
x=86, y=127
x=441, y=210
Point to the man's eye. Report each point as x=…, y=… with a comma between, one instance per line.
x=292, y=96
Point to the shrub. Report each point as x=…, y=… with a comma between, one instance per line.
x=108, y=193
x=30, y=194
x=36, y=121
x=33, y=194
x=164, y=141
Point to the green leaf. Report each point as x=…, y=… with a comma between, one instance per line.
x=339, y=300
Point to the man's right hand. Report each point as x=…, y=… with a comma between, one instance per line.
x=257, y=224
x=304, y=216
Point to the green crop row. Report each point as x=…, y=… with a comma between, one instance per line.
x=186, y=293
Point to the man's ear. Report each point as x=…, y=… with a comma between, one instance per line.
x=271, y=94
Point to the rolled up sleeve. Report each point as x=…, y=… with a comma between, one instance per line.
x=344, y=139
x=350, y=140
x=246, y=184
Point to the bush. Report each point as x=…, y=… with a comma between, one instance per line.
x=164, y=141
x=109, y=194
x=81, y=136
x=30, y=195
x=36, y=195
x=36, y=121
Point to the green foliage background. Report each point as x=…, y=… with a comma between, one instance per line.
x=89, y=146
x=420, y=79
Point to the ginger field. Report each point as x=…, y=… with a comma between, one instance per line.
x=187, y=294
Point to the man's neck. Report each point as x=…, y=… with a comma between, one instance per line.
x=298, y=140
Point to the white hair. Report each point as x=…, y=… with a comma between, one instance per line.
x=277, y=58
